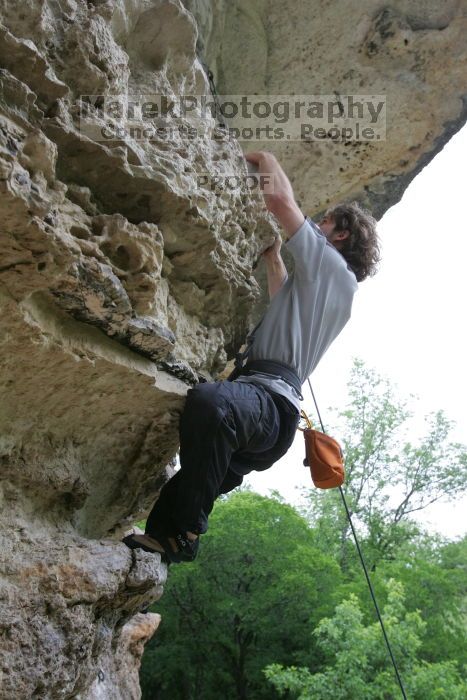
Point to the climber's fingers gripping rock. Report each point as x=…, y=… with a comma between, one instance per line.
x=274, y=183
x=273, y=250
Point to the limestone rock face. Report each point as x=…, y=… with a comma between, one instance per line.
x=125, y=278
x=64, y=605
x=411, y=51
x=120, y=286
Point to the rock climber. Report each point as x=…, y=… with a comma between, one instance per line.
x=248, y=421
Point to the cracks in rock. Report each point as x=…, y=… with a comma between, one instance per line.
x=143, y=576
x=93, y=294
x=5, y=268
x=132, y=568
x=180, y=370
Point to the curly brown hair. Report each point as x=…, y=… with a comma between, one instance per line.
x=361, y=248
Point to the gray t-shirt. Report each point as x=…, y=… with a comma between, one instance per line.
x=307, y=313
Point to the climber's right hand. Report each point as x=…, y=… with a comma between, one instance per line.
x=277, y=191
x=273, y=251
x=273, y=181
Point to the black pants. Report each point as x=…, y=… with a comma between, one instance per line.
x=227, y=429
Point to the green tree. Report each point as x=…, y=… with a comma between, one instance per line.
x=434, y=576
x=257, y=588
x=388, y=476
x=357, y=665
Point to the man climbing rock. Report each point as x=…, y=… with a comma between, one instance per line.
x=248, y=421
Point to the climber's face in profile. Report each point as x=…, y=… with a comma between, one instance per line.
x=328, y=227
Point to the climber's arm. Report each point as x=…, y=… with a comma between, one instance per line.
x=276, y=270
x=305, y=241
x=289, y=215
x=280, y=201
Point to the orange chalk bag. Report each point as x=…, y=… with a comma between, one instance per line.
x=323, y=455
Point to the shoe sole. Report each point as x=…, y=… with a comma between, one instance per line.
x=140, y=542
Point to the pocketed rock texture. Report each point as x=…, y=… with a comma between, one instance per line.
x=413, y=52
x=125, y=278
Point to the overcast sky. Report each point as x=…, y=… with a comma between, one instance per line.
x=408, y=322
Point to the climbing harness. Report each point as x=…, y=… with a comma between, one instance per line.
x=279, y=370
x=360, y=554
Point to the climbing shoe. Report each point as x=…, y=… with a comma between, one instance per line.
x=173, y=549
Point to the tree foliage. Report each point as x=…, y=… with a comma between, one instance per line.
x=252, y=597
x=358, y=665
x=388, y=475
